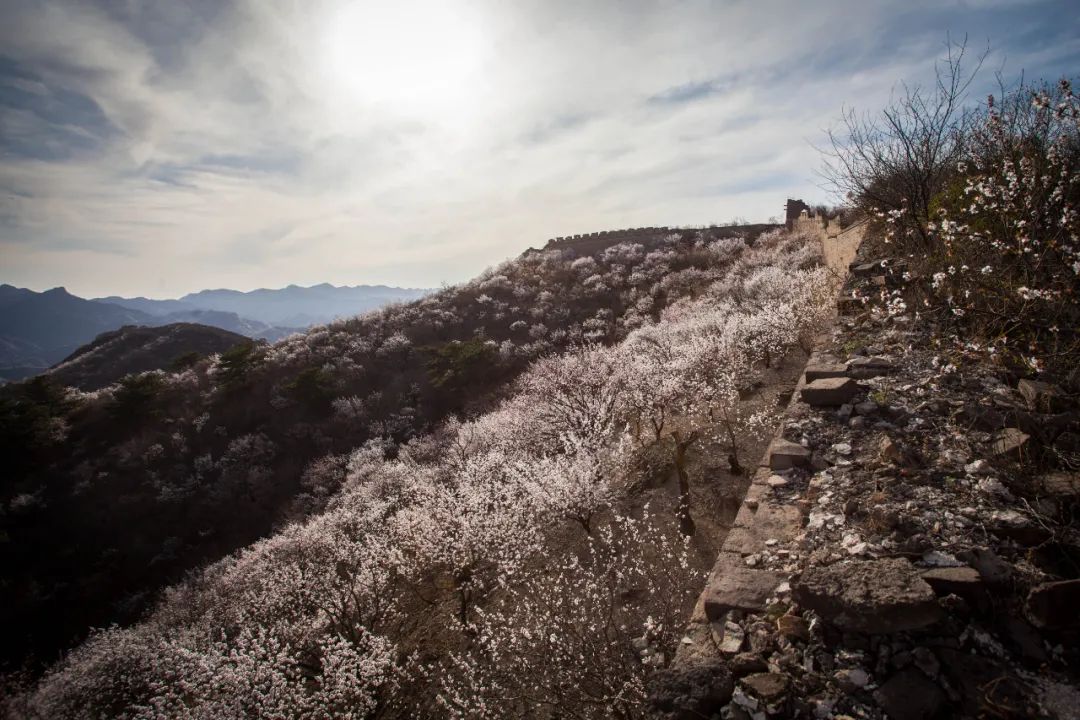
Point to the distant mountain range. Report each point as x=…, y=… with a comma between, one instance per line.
x=40, y=329
x=292, y=306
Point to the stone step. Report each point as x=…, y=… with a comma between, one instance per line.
x=822, y=372
x=829, y=392
x=785, y=455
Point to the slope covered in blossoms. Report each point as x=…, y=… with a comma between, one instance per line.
x=116, y=493
x=508, y=564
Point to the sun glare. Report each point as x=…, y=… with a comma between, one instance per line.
x=408, y=55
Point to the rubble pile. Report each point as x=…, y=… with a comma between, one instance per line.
x=909, y=547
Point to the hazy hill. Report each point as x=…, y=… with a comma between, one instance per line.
x=131, y=349
x=291, y=306
x=40, y=329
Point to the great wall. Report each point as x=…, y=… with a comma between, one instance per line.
x=878, y=566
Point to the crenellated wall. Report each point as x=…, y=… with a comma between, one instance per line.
x=764, y=517
x=838, y=243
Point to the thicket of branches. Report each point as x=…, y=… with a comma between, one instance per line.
x=984, y=204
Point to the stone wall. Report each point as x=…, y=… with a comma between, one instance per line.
x=773, y=515
x=839, y=244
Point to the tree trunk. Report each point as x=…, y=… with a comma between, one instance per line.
x=686, y=522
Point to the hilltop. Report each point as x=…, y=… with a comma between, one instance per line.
x=134, y=350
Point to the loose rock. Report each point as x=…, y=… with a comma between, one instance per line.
x=871, y=596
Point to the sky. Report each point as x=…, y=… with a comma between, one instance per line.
x=156, y=147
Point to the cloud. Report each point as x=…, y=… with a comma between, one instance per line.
x=158, y=147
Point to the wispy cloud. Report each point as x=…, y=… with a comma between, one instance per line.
x=160, y=147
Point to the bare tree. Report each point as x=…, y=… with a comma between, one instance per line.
x=900, y=159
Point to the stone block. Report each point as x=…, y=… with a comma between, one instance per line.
x=821, y=372
x=733, y=586
x=829, y=392
x=871, y=596
x=785, y=455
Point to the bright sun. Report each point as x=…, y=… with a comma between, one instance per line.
x=405, y=55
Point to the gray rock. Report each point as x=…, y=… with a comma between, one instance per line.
x=728, y=636
x=830, y=392
x=683, y=693
x=785, y=455
x=1054, y=604
x=908, y=695
x=851, y=679
x=867, y=408
x=870, y=596
x=1017, y=526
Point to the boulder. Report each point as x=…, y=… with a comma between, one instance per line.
x=829, y=392
x=870, y=596
x=1054, y=604
x=851, y=679
x=1042, y=396
x=785, y=455
x=682, y=693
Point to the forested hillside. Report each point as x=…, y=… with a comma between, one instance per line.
x=510, y=563
x=133, y=349
x=113, y=493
